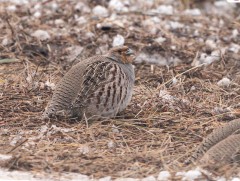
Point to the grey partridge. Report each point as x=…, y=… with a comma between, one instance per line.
x=100, y=86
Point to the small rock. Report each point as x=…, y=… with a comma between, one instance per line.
x=81, y=20
x=100, y=11
x=165, y=9
x=160, y=40
x=50, y=84
x=6, y=41
x=192, y=175
x=59, y=22
x=224, y=82
x=12, y=8
x=192, y=12
x=164, y=176
x=80, y=6
x=84, y=149
x=41, y=35
x=111, y=144
x=118, y=40
x=37, y=14
x=117, y=6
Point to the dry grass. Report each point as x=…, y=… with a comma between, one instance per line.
x=153, y=134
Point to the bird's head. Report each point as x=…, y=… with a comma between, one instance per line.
x=121, y=54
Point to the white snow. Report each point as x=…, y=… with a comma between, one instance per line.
x=165, y=9
x=100, y=11
x=234, y=48
x=80, y=6
x=190, y=175
x=117, y=6
x=111, y=144
x=59, y=22
x=211, y=43
x=236, y=179
x=164, y=176
x=12, y=8
x=50, y=84
x=235, y=33
x=5, y=157
x=118, y=40
x=108, y=178
x=127, y=179
x=224, y=82
x=160, y=40
x=37, y=14
x=192, y=12
x=41, y=34
x=149, y=178
x=6, y=41
x=166, y=96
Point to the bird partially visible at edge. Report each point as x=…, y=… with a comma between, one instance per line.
x=99, y=86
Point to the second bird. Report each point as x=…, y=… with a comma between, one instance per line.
x=100, y=86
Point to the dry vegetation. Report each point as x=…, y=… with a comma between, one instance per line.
x=162, y=126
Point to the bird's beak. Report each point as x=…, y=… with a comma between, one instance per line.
x=130, y=52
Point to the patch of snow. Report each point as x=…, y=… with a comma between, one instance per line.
x=236, y=179
x=150, y=24
x=151, y=58
x=208, y=59
x=15, y=140
x=84, y=149
x=164, y=176
x=234, y=48
x=59, y=22
x=50, y=84
x=100, y=11
x=192, y=12
x=80, y=6
x=224, y=82
x=127, y=179
x=54, y=6
x=108, y=178
x=80, y=20
x=160, y=40
x=193, y=88
x=192, y=175
x=41, y=35
x=165, y=9
x=235, y=33
x=211, y=44
x=166, y=96
x=6, y=41
x=115, y=129
x=5, y=157
x=149, y=178
x=118, y=40
x=12, y=8
x=111, y=144
x=175, y=25
x=37, y=14
x=117, y=6
x=174, y=81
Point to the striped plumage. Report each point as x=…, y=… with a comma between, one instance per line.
x=100, y=86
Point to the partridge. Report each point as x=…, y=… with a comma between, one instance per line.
x=100, y=86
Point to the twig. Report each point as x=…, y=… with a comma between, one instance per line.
x=17, y=146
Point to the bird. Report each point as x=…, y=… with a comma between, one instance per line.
x=97, y=87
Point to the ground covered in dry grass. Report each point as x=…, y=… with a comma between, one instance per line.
x=177, y=101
